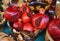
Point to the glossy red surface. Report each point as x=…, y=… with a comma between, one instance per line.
x=18, y=25
x=54, y=28
x=28, y=27
x=25, y=18
x=12, y=14
x=40, y=21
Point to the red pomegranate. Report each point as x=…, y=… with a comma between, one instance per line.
x=54, y=28
x=28, y=27
x=12, y=13
x=26, y=17
x=18, y=25
x=40, y=20
x=24, y=8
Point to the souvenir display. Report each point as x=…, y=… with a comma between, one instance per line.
x=28, y=18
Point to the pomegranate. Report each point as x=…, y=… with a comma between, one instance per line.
x=54, y=28
x=28, y=27
x=26, y=17
x=40, y=20
x=18, y=25
x=12, y=13
x=24, y=8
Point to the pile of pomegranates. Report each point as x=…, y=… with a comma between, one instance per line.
x=22, y=19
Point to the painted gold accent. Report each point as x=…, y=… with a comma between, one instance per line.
x=38, y=7
x=20, y=2
x=32, y=7
x=5, y=4
x=49, y=1
x=47, y=7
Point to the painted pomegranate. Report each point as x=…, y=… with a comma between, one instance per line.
x=40, y=20
x=26, y=14
x=18, y=26
x=26, y=17
x=12, y=13
x=28, y=27
x=24, y=8
x=54, y=29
